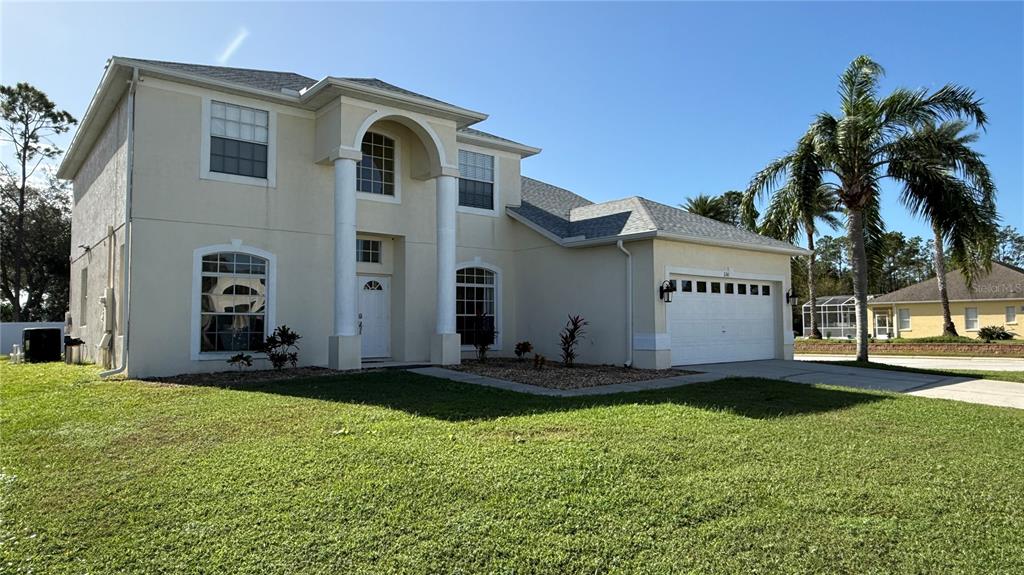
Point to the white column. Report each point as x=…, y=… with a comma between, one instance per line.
x=447, y=198
x=346, y=308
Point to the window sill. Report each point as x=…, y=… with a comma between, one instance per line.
x=383, y=198
x=237, y=179
x=225, y=355
x=477, y=211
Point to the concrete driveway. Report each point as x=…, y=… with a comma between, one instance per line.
x=927, y=362
x=985, y=391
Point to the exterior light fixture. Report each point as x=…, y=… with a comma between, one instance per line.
x=790, y=295
x=665, y=290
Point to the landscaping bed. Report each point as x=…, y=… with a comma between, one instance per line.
x=980, y=349
x=236, y=377
x=558, y=376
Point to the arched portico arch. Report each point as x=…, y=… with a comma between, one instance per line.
x=437, y=158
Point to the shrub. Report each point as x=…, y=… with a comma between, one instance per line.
x=481, y=335
x=241, y=361
x=570, y=337
x=539, y=361
x=282, y=347
x=523, y=348
x=994, y=333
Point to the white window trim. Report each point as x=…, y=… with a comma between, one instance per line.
x=204, y=149
x=494, y=212
x=498, y=301
x=899, y=320
x=1008, y=322
x=197, y=302
x=384, y=198
x=977, y=319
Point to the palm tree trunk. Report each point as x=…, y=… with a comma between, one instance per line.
x=860, y=280
x=940, y=276
x=815, y=332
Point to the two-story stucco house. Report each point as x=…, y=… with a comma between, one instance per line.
x=216, y=203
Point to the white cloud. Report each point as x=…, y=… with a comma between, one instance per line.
x=233, y=46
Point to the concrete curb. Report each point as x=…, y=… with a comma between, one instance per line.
x=633, y=386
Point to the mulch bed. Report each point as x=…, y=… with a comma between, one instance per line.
x=249, y=376
x=557, y=376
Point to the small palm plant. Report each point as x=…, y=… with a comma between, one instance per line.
x=570, y=337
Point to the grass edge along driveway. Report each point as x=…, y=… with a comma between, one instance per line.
x=392, y=472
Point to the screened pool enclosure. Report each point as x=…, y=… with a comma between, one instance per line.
x=836, y=318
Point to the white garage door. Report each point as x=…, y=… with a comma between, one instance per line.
x=713, y=320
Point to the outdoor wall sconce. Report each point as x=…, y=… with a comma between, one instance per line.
x=665, y=290
x=790, y=295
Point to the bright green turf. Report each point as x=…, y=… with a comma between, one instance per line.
x=391, y=472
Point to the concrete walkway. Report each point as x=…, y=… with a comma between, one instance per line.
x=984, y=391
x=930, y=362
x=466, y=377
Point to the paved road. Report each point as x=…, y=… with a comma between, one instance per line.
x=966, y=389
x=923, y=362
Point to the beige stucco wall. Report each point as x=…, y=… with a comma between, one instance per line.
x=555, y=281
x=98, y=205
x=926, y=318
x=176, y=212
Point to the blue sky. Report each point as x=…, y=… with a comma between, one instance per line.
x=663, y=100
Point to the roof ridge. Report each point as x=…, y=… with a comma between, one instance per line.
x=215, y=66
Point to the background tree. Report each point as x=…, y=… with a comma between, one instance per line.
x=733, y=201
x=28, y=119
x=710, y=207
x=1010, y=246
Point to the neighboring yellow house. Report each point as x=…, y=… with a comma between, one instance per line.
x=914, y=311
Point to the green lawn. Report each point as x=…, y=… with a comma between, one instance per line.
x=1017, y=376
x=391, y=472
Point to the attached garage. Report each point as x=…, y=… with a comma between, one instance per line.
x=715, y=319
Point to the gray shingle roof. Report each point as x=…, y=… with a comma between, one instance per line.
x=475, y=132
x=1002, y=282
x=260, y=79
x=568, y=215
x=271, y=80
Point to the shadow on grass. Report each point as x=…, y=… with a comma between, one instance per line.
x=452, y=401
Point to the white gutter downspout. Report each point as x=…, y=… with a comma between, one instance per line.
x=629, y=303
x=129, y=181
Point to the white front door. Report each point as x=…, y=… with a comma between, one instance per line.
x=714, y=320
x=375, y=315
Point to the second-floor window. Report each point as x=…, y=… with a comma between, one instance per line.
x=239, y=139
x=476, y=181
x=375, y=173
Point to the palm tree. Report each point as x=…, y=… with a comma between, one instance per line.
x=708, y=206
x=859, y=147
x=947, y=181
x=795, y=207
